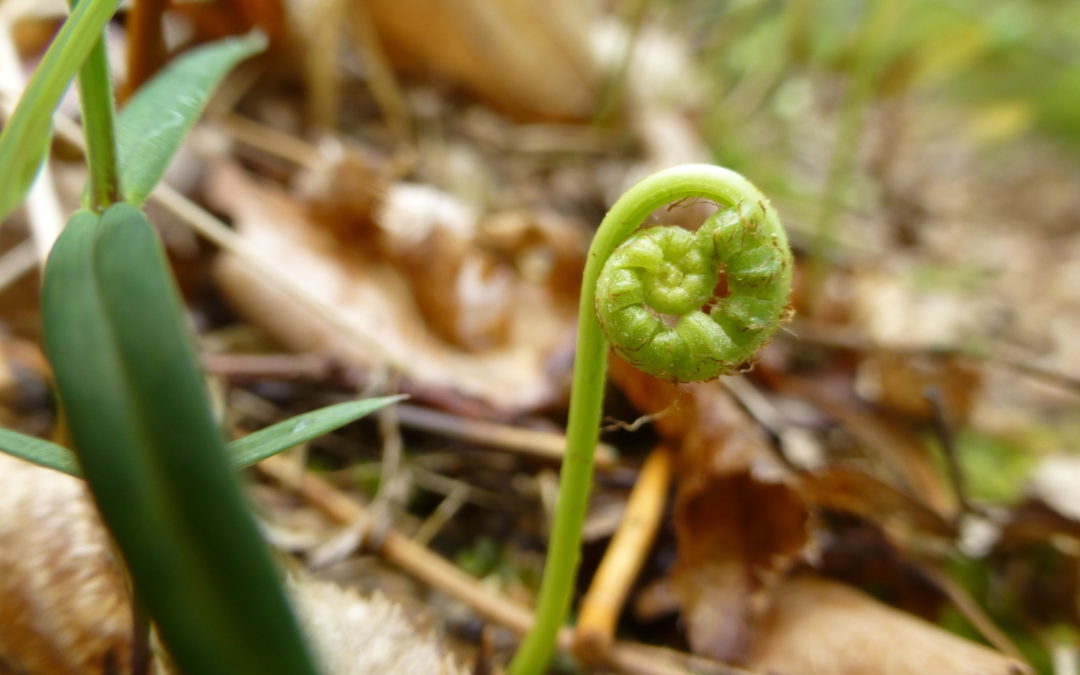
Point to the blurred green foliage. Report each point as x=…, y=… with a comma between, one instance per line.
x=1010, y=66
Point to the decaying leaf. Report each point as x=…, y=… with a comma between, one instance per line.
x=821, y=627
x=371, y=286
x=852, y=491
x=739, y=525
x=357, y=636
x=906, y=382
x=63, y=603
x=534, y=60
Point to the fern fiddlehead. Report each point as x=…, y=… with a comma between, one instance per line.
x=657, y=299
x=680, y=305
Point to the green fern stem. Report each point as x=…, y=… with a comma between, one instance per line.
x=657, y=296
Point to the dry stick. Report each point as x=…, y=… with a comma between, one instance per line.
x=320, y=22
x=970, y=609
x=146, y=43
x=442, y=514
x=595, y=631
x=839, y=338
x=271, y=140
x=543, y=444
x=435, y=571
x=548, y=445
x=380, y=75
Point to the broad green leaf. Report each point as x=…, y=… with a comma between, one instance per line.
x=152, y=455
x=151, y=127
x=242, y=452
x=38, y=451
x=263, y=443
x=25, y=138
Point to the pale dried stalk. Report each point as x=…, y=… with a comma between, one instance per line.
x=594, y=634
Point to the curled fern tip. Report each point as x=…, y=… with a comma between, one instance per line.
x=690, y=306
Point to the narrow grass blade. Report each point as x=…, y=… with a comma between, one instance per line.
x=243, y=452
x=263, y=443
x=25, y=138
x=152, y=455
x=38, y=451
x=151, y=127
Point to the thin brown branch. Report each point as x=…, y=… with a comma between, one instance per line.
x=146, y=44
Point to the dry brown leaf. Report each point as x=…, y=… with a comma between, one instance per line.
x=375, y=297
x=63, y=604
x=902, y=380
x=850, y=490
x=739, y=525
x=464, y=293
x=821, y=627
x=899, y=455
x=529, y=59
x=357, y=636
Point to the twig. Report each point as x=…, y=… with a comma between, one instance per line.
x=970, y=609
x=270, y=140
x=435, y=571
x=944, y=432
x=546, y=445
x=146, y=43
x=380, y=75
x=841, y=338
x=442, y=514
x=600, y=609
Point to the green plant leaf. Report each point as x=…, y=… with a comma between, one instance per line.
x=40, y=452
x=259, y=445
x=151, y=127
x=242, y=452
x=25, y=138
x=152, y=455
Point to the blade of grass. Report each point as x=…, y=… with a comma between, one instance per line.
x=242, y=452
x=259, y=445
x=151, y=127
x=38, y=451
x=25, y=138
x=140, y=419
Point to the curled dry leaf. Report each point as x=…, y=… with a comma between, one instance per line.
x=821, y=627
x=739, y=525
x=371, y=285
x=64, y=608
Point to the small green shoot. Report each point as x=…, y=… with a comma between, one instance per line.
x=151, y=127
x=242, y=452
x=25, y=138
